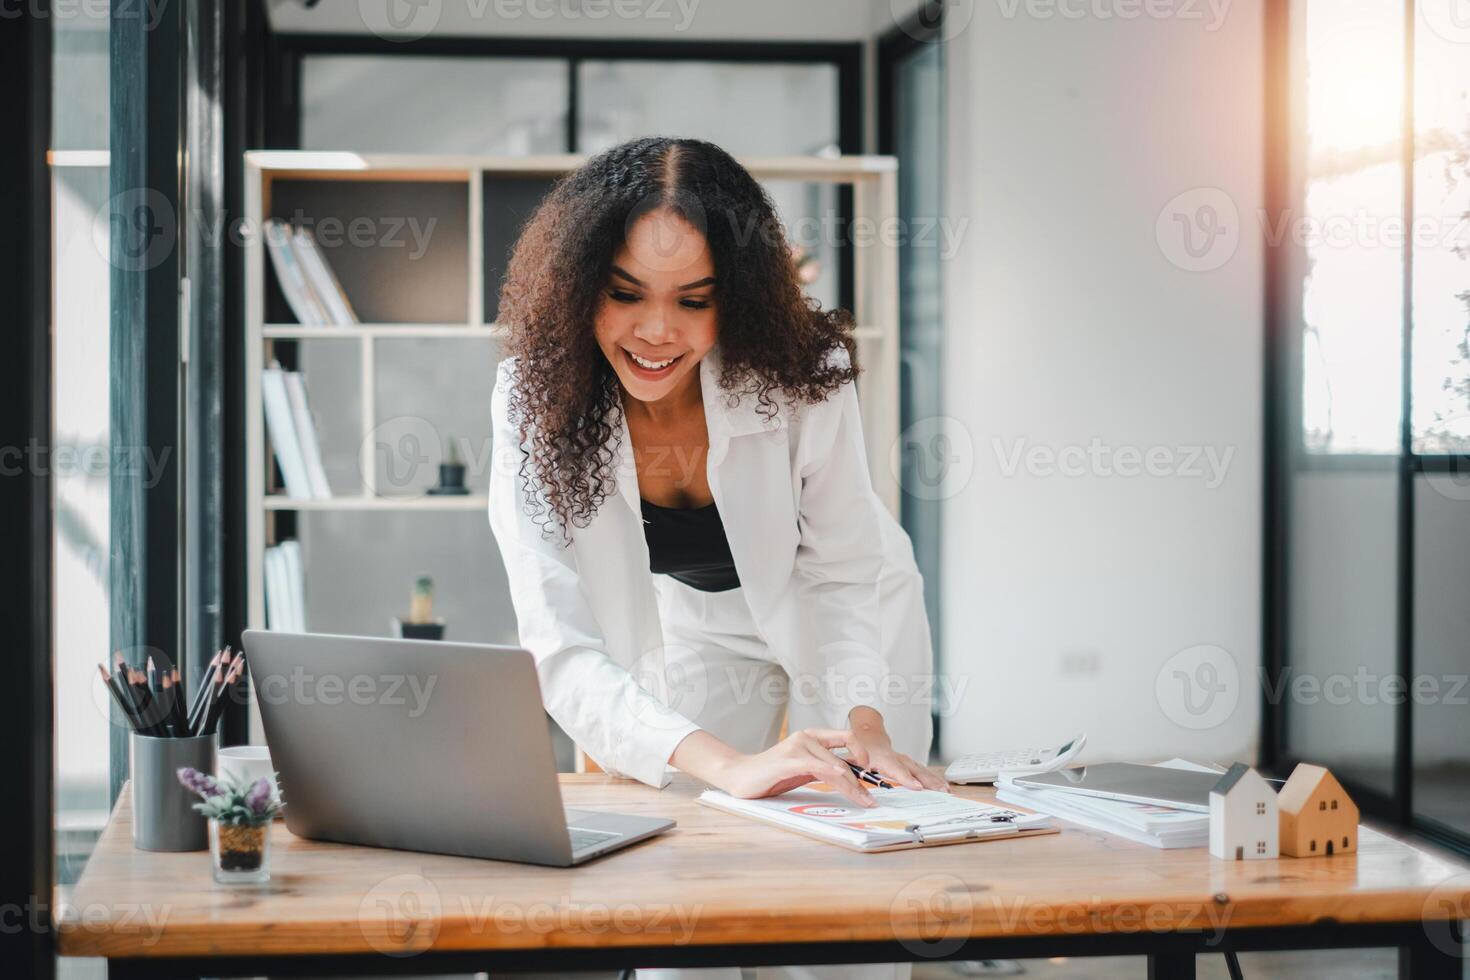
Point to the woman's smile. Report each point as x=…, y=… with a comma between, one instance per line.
x=649, y=368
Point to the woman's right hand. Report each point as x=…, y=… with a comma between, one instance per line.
x=799, y=758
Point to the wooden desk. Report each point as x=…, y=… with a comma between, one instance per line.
x=722, y=890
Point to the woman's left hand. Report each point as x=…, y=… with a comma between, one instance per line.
x=897, y=768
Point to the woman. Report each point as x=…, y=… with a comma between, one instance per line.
x=681, y=495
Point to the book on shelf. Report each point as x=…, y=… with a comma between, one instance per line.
x=285, y=588
x=322, y=280
x=291, y=274
x=293, y=434
x=305, y=425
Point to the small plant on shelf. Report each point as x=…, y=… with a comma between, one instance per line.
x=239, y=815
x=420, y=623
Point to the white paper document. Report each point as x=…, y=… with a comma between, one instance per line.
x=1146, y=823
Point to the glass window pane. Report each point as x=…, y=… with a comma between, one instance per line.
x=80, y=84
x=919, y=144
x=414, y=104
x=1352, y=227
x=1441, y=408
x=1441, y=773
x=1342, y=623
x=749, y=109
x=80, y=437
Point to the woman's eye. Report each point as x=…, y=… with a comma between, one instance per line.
x=622, y=296
x=695, y=304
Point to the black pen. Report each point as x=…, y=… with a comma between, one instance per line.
x=869, y=776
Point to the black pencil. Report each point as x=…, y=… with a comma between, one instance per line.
x=201, y=693
x=117, y=697
x=218, y=704
x=147, y=706
x=155, y=691
x=170, y=704
x=216, y=686
x=181, y=719
x=121, y=685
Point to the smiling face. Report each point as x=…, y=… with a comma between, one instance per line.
x=657, y=317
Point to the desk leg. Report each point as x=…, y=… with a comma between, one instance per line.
x=1171, y=966
x=1425, y=961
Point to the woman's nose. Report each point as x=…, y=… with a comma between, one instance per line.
x=654, y=330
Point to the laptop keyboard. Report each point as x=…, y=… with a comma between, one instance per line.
x=583, y=839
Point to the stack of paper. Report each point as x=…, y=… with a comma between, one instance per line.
x=902, y=818
x=285, y=588
x=293, y=434
x=310, y=286
x=1146, y=823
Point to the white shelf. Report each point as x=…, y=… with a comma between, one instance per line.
x=447, y=502
x=295, y=331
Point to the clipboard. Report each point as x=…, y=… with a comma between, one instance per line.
x=932, y=834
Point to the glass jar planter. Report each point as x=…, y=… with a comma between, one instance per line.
x=241, y=853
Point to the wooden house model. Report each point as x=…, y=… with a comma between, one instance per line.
x=1318, y=818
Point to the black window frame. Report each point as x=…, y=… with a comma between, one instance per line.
x=26, y=842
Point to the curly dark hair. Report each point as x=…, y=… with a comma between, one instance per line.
x=565, y=399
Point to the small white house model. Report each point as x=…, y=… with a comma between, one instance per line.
x=1244, y=824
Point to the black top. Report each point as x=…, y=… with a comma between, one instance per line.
x=688, y=544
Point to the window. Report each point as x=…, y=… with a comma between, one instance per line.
x=1352, y=297
x=1260, y=847
x=81, y=498
x=1345, y=842
x=1260, y=809
x=1314, y=846
x=1368, y=469
x=1322, y=805
x=417, y=104
x=1334, y=804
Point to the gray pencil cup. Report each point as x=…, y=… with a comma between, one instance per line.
x=164, y=818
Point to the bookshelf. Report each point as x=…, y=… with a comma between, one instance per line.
x=445, y=295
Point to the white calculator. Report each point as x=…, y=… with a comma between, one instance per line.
x=985, y=767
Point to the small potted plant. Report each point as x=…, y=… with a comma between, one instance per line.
x=240, y=816
x=420, y=623
x=451, y=473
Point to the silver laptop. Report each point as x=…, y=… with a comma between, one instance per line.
x=422, y=746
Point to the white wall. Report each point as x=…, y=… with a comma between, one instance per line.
x=1064, y=596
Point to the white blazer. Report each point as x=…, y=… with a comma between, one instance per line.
x=829, y=576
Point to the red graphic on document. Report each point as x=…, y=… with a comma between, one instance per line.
x=822, y=810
